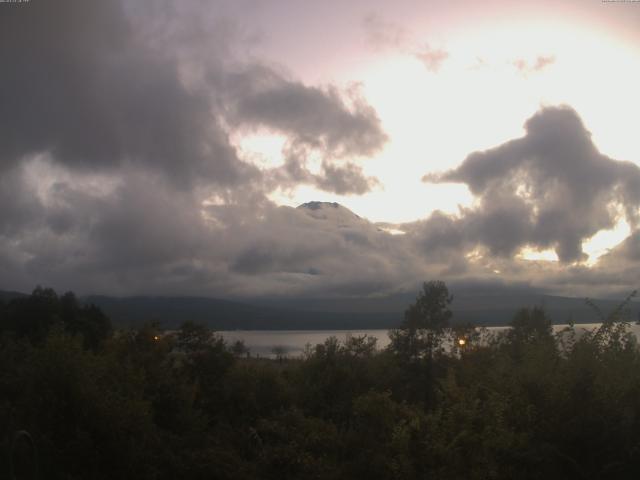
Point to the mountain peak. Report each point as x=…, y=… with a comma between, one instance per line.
x=315, y=205
x=326, y=210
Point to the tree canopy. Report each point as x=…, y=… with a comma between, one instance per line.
x=145, y=403
x=425, y=322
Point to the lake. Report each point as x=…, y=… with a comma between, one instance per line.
x=292, y=342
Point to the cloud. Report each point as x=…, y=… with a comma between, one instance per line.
x=432, y=58
x=342, y=179
x=345, y=179
x=311, y=116
x=133, y=232
x=339, y=124
x=116, y=122
x=117, y=174
x=541, y=62
x=323, y=249
x=86, y=89
x=140, y=237
x=317, y=121
x=549, y=189
x=381, y=33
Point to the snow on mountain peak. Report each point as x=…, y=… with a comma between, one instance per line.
x=329, y=211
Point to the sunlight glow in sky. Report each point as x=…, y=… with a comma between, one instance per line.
x=604, y=240
x=490, y=83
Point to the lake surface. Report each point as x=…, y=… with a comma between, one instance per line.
x=292, y=342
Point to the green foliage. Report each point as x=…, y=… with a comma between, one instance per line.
x=292, y=445
x=151, y=404
x=86, y=412
x=34, y=317
x=385, y=437
x=530, y=325
x=333, y=374
x=425, y=323
x=431, y=309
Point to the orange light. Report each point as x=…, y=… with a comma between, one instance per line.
x=462, y=342
x=156, y=338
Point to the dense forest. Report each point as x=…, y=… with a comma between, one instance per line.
x=80, y=400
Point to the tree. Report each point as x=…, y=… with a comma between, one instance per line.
x=33, y=317
x=425, y=322
x=194, y=338
x=86, y=320
x=280, y=352
x=239, y=348
x=530, y=325
x=205, y=360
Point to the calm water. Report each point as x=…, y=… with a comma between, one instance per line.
x=292, y=342
x=262, y=342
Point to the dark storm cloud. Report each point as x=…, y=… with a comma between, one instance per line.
x=343, y=179
x=629, y=250
x=623, y=262
x=321, y=249
x=317, y=121
x=142, y=223
x=117, y=174
x=549, y=189
x=19, y=207
x=138, y=235
x=85, y=88
x=338, y=123
x=141, y=236
x=116, y=129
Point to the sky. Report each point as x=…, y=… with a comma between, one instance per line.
x=165, y=148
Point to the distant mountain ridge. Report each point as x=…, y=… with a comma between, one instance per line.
x=231, y=315
x=6, y=296
x=476, y=307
